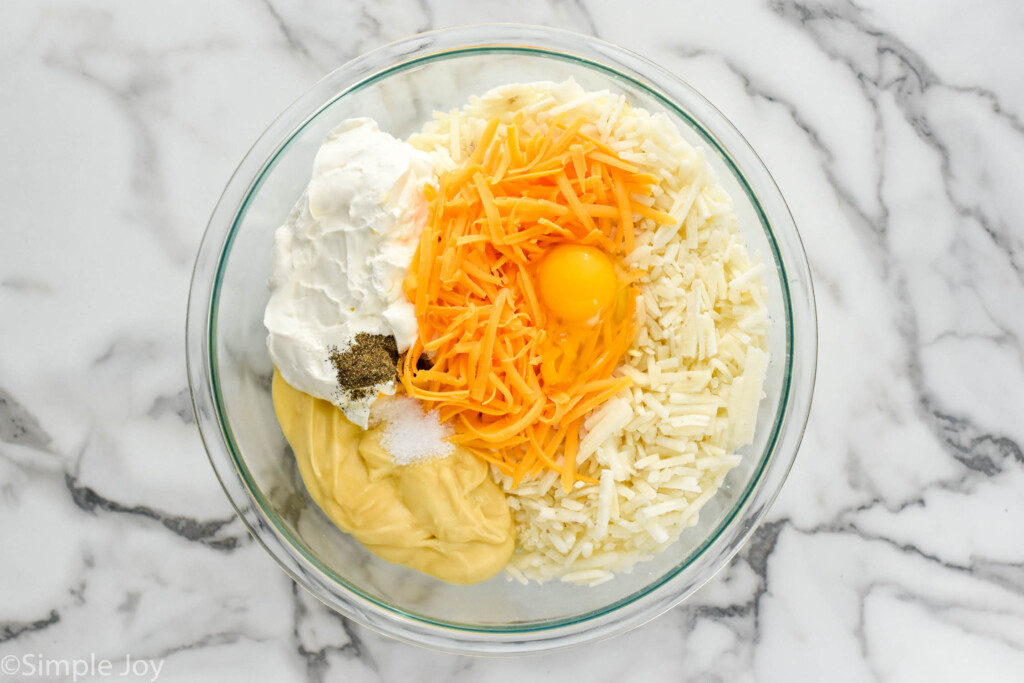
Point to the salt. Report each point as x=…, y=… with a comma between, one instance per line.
x=409, y=434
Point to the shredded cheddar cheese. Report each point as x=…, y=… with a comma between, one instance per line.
x=512, y=382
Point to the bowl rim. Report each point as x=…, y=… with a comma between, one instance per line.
x=248, y=500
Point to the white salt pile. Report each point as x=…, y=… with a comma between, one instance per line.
x=411, y=435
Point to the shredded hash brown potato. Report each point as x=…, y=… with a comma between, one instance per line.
x=662, y=447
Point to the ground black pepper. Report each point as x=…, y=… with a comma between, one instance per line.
x=372, y=360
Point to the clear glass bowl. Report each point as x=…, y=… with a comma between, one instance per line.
x=229, y=369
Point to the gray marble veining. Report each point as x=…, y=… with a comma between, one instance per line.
x=896, y=132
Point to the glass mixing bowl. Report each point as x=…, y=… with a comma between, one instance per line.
x=400, y=85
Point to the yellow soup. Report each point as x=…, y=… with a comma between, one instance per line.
x=444, y=517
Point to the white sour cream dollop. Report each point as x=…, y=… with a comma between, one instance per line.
x=340, y=258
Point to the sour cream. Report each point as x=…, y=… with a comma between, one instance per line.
x=340, y=258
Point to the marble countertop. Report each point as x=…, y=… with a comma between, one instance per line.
x=896, y=132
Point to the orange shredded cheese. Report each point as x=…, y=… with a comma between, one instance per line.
x=514, y=383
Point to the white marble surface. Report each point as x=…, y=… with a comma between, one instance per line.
x=894, y=128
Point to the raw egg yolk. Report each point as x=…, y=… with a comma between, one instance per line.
x=577, y=282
